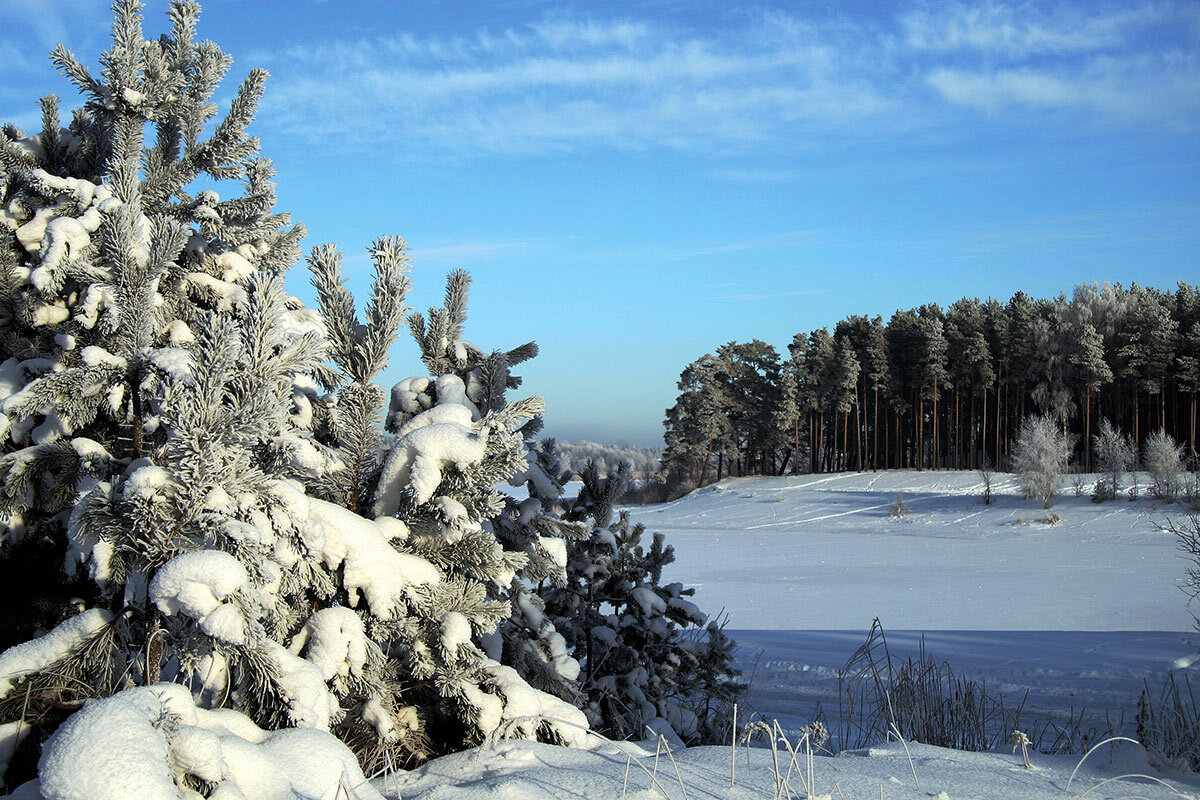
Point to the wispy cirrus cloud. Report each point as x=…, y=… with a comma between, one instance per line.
x=1163, y=87
x=1025, y=29
x=766, y=82
x=562, y=85
x=471, y=252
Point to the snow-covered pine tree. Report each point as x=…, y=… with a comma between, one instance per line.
x=456, y=438
x=650, y=666
x=162, y=399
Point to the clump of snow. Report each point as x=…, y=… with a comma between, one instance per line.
x=370, y=564
x=37, y=654
x=302, y=683
x=147, y=481
x=200, y=584
x=526, y=708
x=423, y=451
x=555, y=548
x=174, y=361
x=141, y=743
x=456, y=631
x=334, y=640
x=648, y=600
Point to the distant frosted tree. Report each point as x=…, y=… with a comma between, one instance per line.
x=1115, y=455
x=1087, y=357
x=1163, y=459
x=698, y=426
x=1040, y=457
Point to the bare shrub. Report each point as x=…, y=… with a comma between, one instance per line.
x=1169, y=726
x=899, y=508
x=987, y=475
x=1187, y=537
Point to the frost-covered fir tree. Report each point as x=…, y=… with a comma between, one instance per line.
x=650, y=664
x=107, y=260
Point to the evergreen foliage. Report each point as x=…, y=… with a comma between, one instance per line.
x=651, y=662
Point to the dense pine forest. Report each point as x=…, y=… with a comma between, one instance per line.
x=937, y=388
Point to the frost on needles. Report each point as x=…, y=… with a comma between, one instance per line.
x=218, y=547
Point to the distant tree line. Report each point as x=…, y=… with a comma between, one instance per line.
x=644, y=462
x=934, y=388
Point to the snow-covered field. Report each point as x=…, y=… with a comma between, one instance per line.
x=822, y=553
x=1075, y=616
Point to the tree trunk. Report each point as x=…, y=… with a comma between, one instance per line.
x=921, y=434
x=704, y=467
x=1087, y=431
x=875, y=432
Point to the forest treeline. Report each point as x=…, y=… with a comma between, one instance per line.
x=942, y=388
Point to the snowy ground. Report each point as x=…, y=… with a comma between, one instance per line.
x=822, y=553
x=1073, y=617
x=530, y=771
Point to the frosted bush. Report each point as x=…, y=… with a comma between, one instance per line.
x=1163, y=459
x=1115, y=456
x=1041, y=457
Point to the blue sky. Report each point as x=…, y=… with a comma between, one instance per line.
x=633, y=184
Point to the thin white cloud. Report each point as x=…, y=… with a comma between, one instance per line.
x=469, y=252
x=566, y=84
x=1022, y=29
x=1164, y=87
x=766, y=82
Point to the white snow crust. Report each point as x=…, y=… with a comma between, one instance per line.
x=372, y=566
x=37, y=654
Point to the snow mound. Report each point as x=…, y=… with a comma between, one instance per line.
x=142, y=743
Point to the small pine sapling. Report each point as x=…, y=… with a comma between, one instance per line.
x=648, y=658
